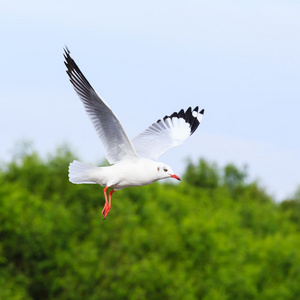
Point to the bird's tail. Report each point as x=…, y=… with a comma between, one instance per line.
x=80, y=172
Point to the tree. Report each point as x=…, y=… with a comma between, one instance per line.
x=213, y=236
x=203, y=175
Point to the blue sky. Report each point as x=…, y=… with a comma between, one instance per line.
x=237, y=59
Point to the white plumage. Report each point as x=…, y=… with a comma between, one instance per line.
x=133, y=161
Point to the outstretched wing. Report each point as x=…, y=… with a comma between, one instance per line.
x=116, y=143
x=166, y=133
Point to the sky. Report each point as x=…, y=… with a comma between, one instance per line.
x=239, y=60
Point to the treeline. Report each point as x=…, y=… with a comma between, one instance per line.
x=213, y=236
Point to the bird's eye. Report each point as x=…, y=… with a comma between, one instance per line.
x=165, y=170
x=157, y=168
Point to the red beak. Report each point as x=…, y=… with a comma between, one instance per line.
x=175, y=176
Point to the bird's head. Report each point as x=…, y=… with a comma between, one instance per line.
x=164, y=171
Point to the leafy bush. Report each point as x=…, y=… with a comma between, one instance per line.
x=213, y=236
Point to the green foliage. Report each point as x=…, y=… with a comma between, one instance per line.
x=213, y=236
x=291, y=207
x=233, y=177
x=203, y=175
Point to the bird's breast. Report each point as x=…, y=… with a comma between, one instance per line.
x=132, y=174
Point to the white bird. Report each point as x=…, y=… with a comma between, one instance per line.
x=133, y=163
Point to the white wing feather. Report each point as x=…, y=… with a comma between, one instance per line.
x=166, y=133
x=116, y=143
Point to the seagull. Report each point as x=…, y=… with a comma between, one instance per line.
x=132, y=162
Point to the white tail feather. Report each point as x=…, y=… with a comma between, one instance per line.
x=80, y=172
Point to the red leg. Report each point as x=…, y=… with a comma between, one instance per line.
x=107, y=205
x=109, y=196
x=105, y=196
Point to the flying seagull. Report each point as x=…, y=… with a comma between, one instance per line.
x=133, y=162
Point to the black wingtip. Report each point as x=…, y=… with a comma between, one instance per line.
x=78, y=80
x=190, y=116
x=66, y=52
